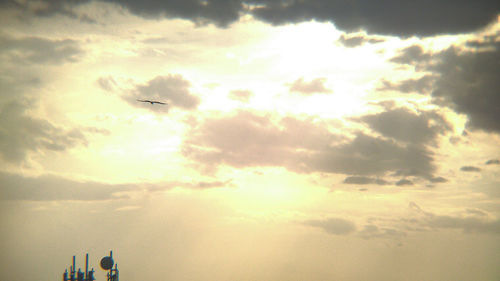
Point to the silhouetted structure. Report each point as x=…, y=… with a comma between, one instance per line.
x=79, y=275
x=106, y=264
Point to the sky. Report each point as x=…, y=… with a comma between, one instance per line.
x=301, y=140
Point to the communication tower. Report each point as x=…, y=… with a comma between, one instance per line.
x=106, y=264
x=74, y=275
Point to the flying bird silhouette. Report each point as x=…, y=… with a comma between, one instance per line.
x=152, y=101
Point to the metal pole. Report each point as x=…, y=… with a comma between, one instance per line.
x=111, y=269
x=86, y=266
x=73, y=270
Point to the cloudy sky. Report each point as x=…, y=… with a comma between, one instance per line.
x=302, y=140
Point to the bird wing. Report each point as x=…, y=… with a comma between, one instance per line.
x=152, y=101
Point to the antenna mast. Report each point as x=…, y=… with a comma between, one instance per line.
x=79, y=276
x=107, y=264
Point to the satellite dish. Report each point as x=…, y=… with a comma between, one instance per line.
x=107, y=263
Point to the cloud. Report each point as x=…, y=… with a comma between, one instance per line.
x=416, y=208
x=241, y=95
x=477, y=212
x=309, y=88
x=353, y=40
x=367, y=155
x=37, y=50
x=470, y=169
x=493, y=162
x=463, y=79
x=372, y=231
x=467, y=224
x=56, y=188
x=208, y=184
x=402, y=18
x=20, y=133
x=335, y=226
x=107, y=83
x=478, y=222
x=403, y=125
x=53, y=188
x=469, y=84
x=438, y=180
x=172, y=89
x=403, y=182
x=220, y=12
x=474, y=221
x=246, y=139
x=486, y=42
x=422, y=85
x=364, y=180
x=413, y=55
x=45, y=8
x=20, y=84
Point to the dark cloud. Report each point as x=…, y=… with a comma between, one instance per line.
x=404, y=125
x=470, y=169
x=438, y=180
x=385, y=104
x=404, y=18
x=309, y=88
x=44, y=8
x=220, y=12
x=364, y=180
x=403, y=182
x=246, y=139
x=469, y=84
x=413, y=55
x=241, y=95
x=39, y=50
x=367, y=155
x=172, y=89
x=483, y=43
x=464, y=80
x=358, y=180
x=335, y=226
x=493, y=162
x=20, y=134
x=421, y=85
x=53, y=188
x=351, y=41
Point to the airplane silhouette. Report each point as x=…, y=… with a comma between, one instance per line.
x=152, y=101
